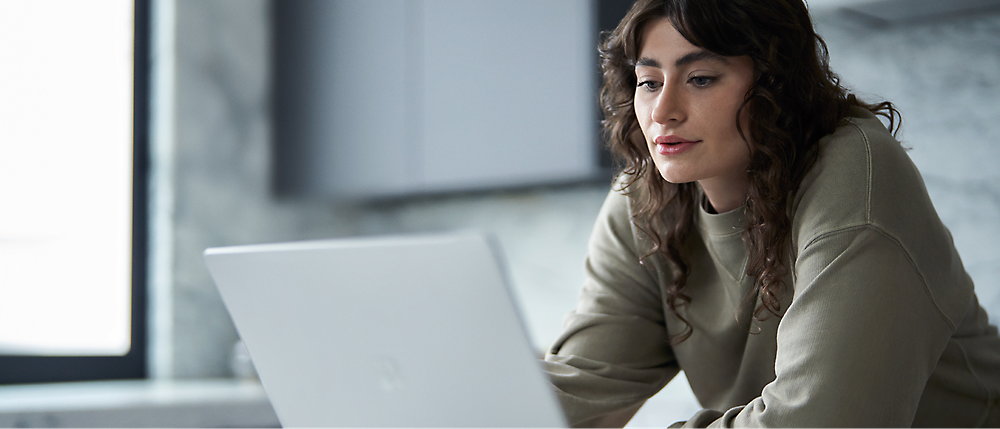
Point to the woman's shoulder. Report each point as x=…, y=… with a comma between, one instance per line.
x=862, y=177
x=615, y=218
x=616, y=212
x=864, y=185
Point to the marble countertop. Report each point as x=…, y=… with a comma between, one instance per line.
x=137, y=403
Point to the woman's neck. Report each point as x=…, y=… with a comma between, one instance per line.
x=725, y=193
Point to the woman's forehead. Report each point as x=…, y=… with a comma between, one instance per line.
x=662, y=45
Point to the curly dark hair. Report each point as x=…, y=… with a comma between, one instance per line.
x=794, y=100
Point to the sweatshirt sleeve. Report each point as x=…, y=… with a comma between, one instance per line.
x=614, y=351
x=858, y=343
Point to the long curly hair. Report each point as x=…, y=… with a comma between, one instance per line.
x=794, y=100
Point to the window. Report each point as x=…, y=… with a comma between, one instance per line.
x=73, y=167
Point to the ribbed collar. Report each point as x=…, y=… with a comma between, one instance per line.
x=723, y=224
x=722, y=235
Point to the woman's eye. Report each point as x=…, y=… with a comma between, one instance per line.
x=650, y=85
x=702, y=81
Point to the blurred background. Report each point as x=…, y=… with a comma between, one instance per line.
x=292, y=119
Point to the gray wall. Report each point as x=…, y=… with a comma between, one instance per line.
x=943, y=76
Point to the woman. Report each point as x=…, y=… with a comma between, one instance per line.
x=768, y=236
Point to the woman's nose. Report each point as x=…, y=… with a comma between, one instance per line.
x=669, y=106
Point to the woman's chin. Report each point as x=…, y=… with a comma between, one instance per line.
x=676, y=177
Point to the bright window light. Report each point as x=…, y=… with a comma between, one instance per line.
x=65, y=177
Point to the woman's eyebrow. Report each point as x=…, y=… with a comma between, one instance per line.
x=700, y=55
x=689, y=58
x=648, y=62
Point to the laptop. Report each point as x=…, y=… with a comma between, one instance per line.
x=414, y=331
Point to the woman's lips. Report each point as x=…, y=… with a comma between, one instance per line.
x=673, y=145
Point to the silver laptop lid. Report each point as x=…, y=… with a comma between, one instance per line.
x=392, y=331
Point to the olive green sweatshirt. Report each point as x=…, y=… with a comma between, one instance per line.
x=880, y=324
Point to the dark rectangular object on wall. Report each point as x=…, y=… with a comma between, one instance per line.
x=391, y=98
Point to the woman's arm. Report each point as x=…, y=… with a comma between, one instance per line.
x=614, y=351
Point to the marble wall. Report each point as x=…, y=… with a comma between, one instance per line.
x=221, y=183
x=944, y=76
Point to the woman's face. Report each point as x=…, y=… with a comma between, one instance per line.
x=686, y=102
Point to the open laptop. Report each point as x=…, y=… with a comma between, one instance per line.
x=392, y=331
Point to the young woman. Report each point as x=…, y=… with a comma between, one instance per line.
x=768, y=236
